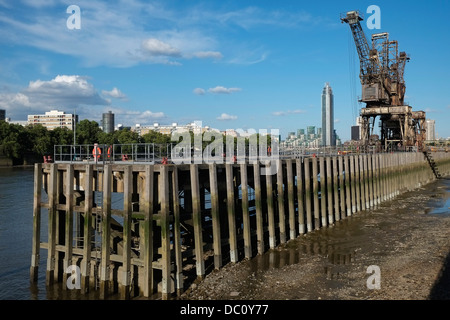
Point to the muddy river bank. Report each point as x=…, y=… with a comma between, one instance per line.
x=397, y=251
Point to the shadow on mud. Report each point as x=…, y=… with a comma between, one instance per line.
x=441, y=289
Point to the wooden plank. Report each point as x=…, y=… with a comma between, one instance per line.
x=323, y=192
x=329, y=189
x=316, y=194
x=336, y=189
x=348, y=195
x=309, y=223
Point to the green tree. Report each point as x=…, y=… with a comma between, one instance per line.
x=87, y=132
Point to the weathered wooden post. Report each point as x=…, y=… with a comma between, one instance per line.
x=52, y=212
x=270, y=208
x=290, y=187
x=280, y=198
x=258, y=206
x=323, y=196
x=245, y=212
x=348, y=194
x=197, y=221
x=68, y=236
x=300, y=196
x=336, y=189
x=217, y=246
x=36, y=240
x=106, y=233
x=329, y=190
x=316, y=194
x=165, y=232
x=231, y=211
x=147, y=250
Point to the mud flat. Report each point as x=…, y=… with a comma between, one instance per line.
x=407, y=238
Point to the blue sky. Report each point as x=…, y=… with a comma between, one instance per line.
x=230, y=64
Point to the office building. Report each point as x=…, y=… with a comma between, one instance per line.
x=327, y=116
x=431, y=129
x=53, y=119
x=108, y=122
x=2, y=115
x=355, y=133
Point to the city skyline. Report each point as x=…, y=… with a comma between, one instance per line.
x=231, y=65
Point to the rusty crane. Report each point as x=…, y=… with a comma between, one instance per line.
x=383, y=90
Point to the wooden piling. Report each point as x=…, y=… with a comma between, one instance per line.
x=291, y=196
x=336, y=189
x=231, y=213
x=258, y=208
x=329, y=190
x=165, y=232
x=147, y=249
x=300, y=196
x=270, y=208
x=316, y=194
x=217, y=245
x=348, y=195
x=342, y=187
x=323, y=193
x=357, y=184
x=68, y=236
x=197, y=221
x=280, y=200
x=106, y=233
x=352, y=183
x=52, y=212
x=36, y=238
x=245, y=212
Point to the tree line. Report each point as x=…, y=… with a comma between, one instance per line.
x=18, y=142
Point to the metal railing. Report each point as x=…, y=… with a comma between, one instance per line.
x=102, y=153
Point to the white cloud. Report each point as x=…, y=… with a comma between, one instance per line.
x=208, y=54
x=223, y=90
x=155, y=47
x=199, y=91
x=64, y=92
x=225, y=117
x=115, y=93
x=288, y=112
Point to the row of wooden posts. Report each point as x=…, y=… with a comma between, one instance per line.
x=183, y=219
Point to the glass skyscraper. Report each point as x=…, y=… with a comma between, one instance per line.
x=328, y=135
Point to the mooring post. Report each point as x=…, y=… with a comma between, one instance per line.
x=258, y=207
x=231, y=212
x=336, y=188
x=329, y=190
x=309, y=223
x=348, y=194
x=316, y=194
x=280, y=200
x=217, y=246
x=270, y=208
x=245, y=212
x=147, y=250
x=371, y=175
x=197, y=221
x=125, y=274
x=177, y=233
x=106, y=233
x=352, y=182
x=290, y=187
x=52, y=212
x=300, y=196
x=165, y=232
x=36, y=240
x=323, y=193
x=342, y=186
x=357, y=184
x=68, y=248
x=87, y=235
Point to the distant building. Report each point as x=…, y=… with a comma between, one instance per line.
x=431, y=129
x=53, y=119
x=355, y=133
x=108, y=122
x=2, y=115
x=327, y=116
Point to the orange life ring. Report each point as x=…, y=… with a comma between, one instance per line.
x=164, y=160
x=109, y=151
x=96, y=152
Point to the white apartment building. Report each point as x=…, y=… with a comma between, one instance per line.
x=53, y=119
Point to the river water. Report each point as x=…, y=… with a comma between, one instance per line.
x=16, y=220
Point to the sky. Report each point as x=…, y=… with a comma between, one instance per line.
x=230, y=64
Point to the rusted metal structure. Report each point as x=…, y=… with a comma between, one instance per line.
x=383, y=90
